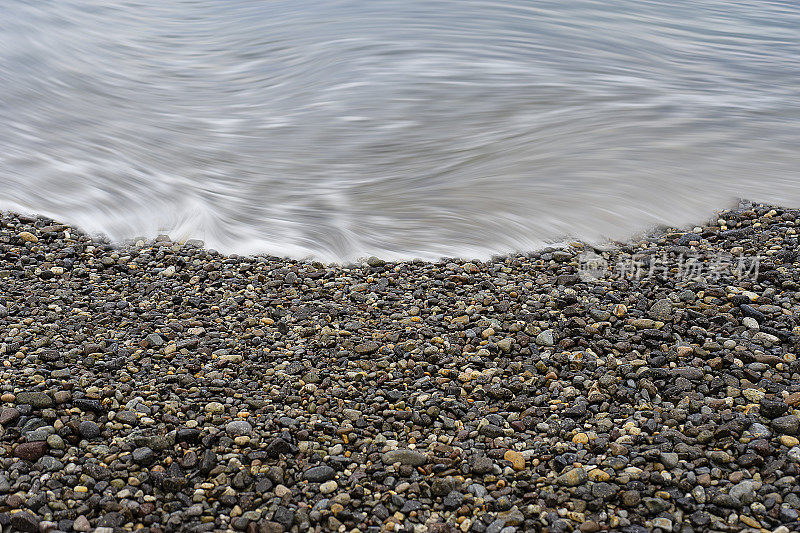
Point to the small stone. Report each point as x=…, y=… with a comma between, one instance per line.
x=375, y=262
x=25, y=522
x=661, y=310
x=405, y=456
x=37, y=400
x=753, y=395
x=590, y=526
x=789, y=441
x=238, y=428
x=30, y=451
x=328, y=487
x=760, y=431
x=545, y=338
x=55, y=442
x=505, y=345
x=126, y=417
x=153, y=340
x=214, y=408
x=89, y=430
x=772, y=408
x=368, y=348
x=794, y=454
x=663, y=523
x=516, y=459
x=282, y=490
x=580, y=438
x=482, y=465
x=573, y=478
x=8, y=415
x=787, y=425
x=143, y=455
x=630, y=498
x=319, y=474
x=669, y=459
x=27, y=236
x=750, y=323
x=603, y=490
x=744, y=491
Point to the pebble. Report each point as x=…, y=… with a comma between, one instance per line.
x=405, y=456
x=328, y=487
x=319, y=474
x=545, y=338
x=572, y=478
x=516, y=459
x=238, y=427
x=89, y=430
x=789, y=441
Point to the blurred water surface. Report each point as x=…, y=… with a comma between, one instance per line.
x=340, y=129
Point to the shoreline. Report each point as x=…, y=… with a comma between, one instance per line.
x=166, y=387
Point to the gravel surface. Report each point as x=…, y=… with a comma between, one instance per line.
x=160, y=386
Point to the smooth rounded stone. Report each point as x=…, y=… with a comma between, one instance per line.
x=282, y=490
x=238, y=428
x=55, y=442
x=214, y=408
x=143, y=455
x=760, y=431
x=27, y=236
x=753, y=395
x=89, y=430
x=37, y=400
x=772, y=408
x=153, y=340
x=580, y=438
x=30, y=451
x=405, y=456
x=789, y=441
x=126, y=417
x=589, y=526
x=62, y=396
x=662, y=523
x=787, y=425
x=750, y=323
x=794, y=454
x=39, y=434
x=545, y=338
x=573, y=478
x=328, y=487
x=661, y=310
x=319, y=474
x=367, y=348
x=669, y=459
x=515, y=458
x=8, y=416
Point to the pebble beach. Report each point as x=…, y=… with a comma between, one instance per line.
x=163, y=387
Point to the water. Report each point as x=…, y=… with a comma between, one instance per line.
x=339, y=129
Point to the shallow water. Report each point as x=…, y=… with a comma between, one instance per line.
x=412, y=128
